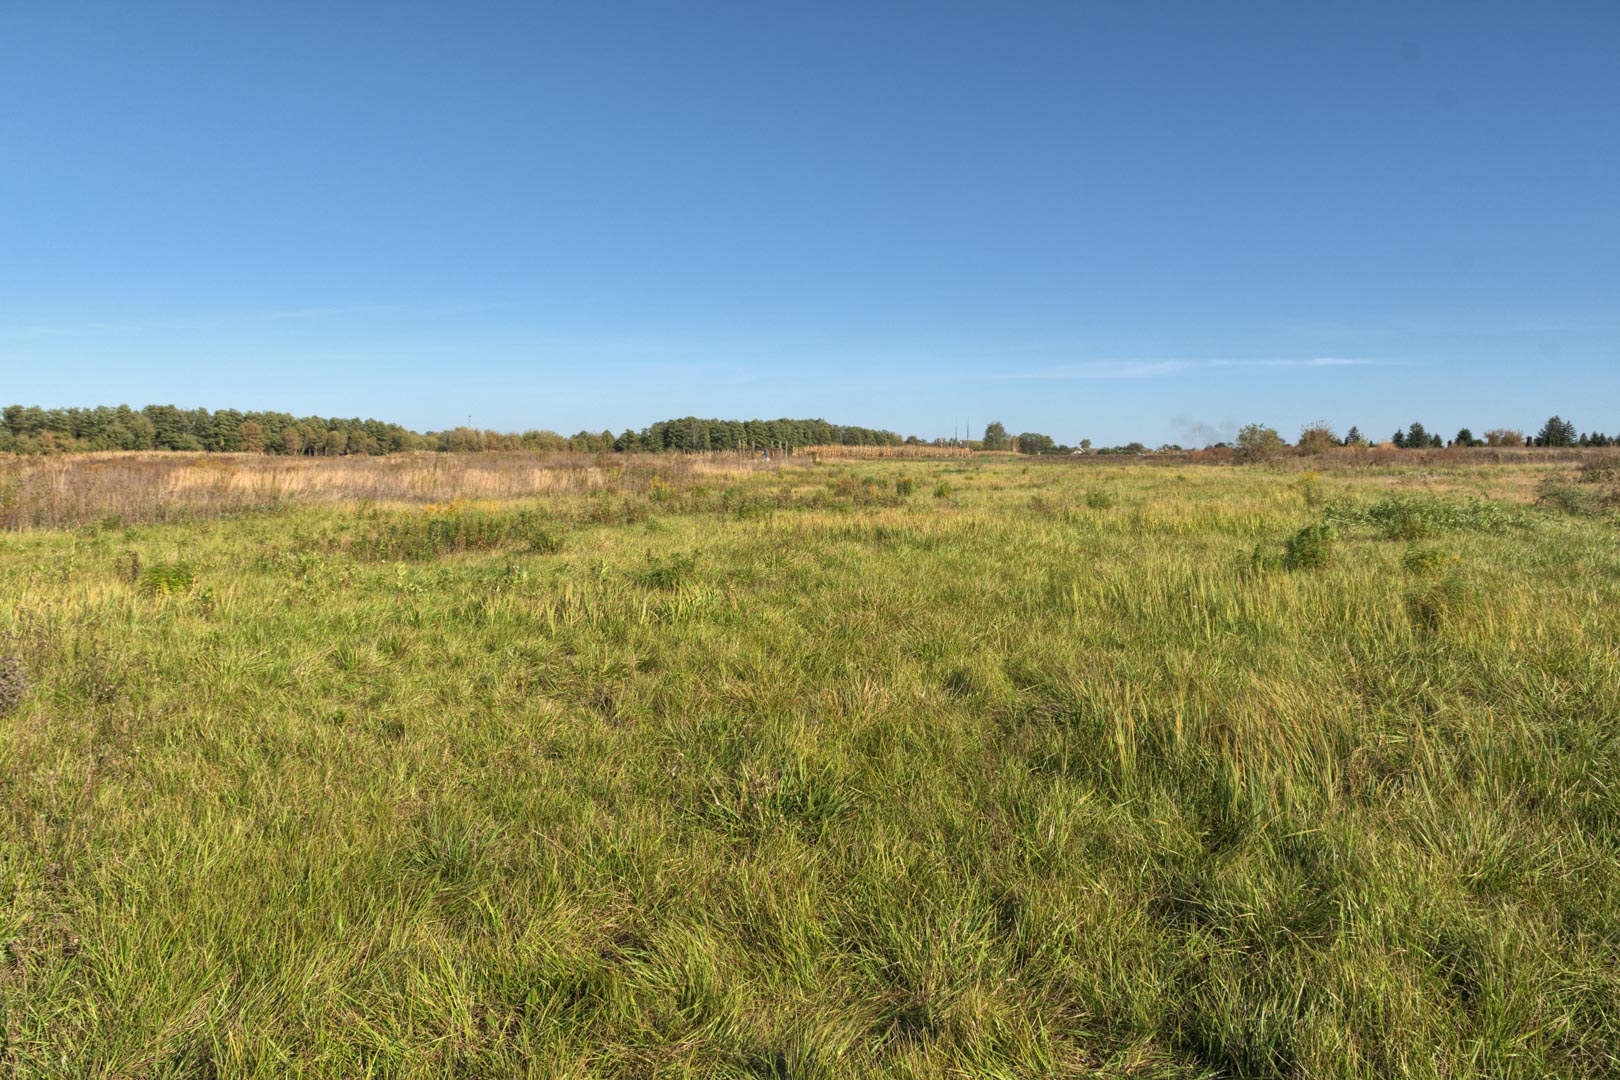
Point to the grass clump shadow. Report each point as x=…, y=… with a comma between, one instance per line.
x=13, y=683
x=1440, y=601
x=667, y=573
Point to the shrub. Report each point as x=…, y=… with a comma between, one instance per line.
x=13, y=683
x=1317, y=437
x=1603, y=470
x=1311, y=548
x=1256, y=442
x=942, y=490
x=1578, y=499
x=903, y=486
x=1099, y=500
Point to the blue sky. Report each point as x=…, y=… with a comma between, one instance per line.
x=1149, y=221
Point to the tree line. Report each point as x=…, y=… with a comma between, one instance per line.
x=693, y=433
x=1259, y=441
x=33, y=430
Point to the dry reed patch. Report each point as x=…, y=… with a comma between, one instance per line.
x=130, y=488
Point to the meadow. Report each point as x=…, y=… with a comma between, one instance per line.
x=705, y=768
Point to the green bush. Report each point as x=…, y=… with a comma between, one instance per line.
x=1311, y=548
x=1099, y=500
x=1603, y=470
x=1588, y=495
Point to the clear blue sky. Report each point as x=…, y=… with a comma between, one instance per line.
x=1114, y=220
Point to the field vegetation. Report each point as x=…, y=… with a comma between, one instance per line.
x=498, y=765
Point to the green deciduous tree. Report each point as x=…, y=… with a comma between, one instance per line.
x=1256, y=442
x=1315, y=438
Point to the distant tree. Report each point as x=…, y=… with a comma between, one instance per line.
x=1417, y=436
x=1033, y=442
x=252, y=436
x=1504, y=437
x=1556, y=432
x=995, y=436
x=1256, y=442
x=1398, y=439
x=1315, y=438
x=1085, y=444
x=1353, y=437
x=1464, y=438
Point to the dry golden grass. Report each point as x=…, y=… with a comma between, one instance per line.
x=874, y=453
x=51, y=492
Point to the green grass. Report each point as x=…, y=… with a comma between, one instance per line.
x=810, y=774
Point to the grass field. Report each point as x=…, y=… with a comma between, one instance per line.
x=925, y=769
